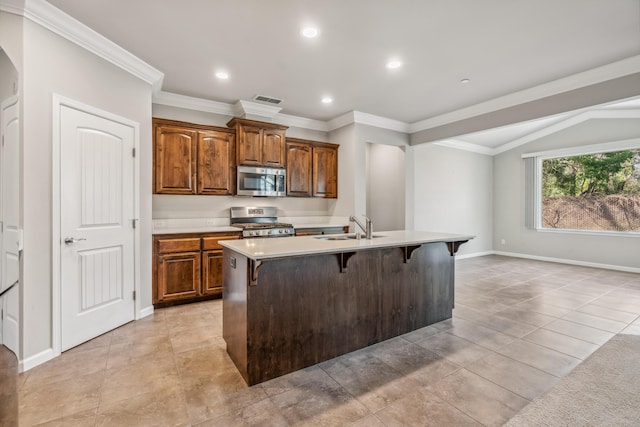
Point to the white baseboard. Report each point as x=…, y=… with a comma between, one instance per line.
x=144, y=312
x=36, y=359
x=569, y=261
x=474, y=255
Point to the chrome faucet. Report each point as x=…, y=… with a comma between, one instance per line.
x=368, y=228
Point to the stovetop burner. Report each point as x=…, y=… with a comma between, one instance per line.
x=259, y=225
x=259, y=222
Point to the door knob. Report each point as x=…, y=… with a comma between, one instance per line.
x=70, y=240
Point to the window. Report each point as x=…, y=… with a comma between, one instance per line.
x=595, y=188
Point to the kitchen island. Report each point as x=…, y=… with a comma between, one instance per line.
x=293, y=302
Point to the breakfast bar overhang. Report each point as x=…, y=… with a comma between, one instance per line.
x=291, y=303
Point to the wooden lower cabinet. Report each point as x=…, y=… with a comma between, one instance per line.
x=212, y=272
x=179, y=275
x=187, y=267
x=318, y=231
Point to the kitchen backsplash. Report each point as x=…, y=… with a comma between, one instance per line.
x=197, y=223
x=197, y=207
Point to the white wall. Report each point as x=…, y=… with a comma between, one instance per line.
x=386, y=186
x=348, y=162
x=453, y=194
x=180, y=206
x=54, y=65
x=510, y=202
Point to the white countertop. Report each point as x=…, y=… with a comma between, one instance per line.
x=197, y=229
x=305, y=245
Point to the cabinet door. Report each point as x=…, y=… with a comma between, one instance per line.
x=273, y=148
x=174, y=160
x=299, y=160
x=178, y=275
x=216, y=152
x=309, y=232
x=325, y=172
x=321, y=231
x=249, y=140
x=212, y=272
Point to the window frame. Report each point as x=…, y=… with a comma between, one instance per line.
x=539, y=157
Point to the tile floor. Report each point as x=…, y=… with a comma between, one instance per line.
x=519, y=326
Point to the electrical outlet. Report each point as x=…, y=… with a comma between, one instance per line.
x=211, y=221
x=159, y=224
x=504, y=242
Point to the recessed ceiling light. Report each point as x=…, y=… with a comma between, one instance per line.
x=222, y=75
x=309, y=32
x=327, y=100
x=393, y=64
x=465, y=81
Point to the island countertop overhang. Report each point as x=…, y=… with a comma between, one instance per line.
x=260, y=249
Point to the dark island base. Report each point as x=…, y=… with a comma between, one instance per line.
x=281, y=315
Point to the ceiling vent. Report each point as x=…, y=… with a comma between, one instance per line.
x=267, y=99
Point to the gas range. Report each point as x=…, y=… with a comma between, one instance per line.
x=259, y=222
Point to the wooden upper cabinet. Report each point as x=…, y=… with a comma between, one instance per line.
x=216, y=163
x=312, y=168
x=174, y=160
x=259, y=143
x=299, y=176
x=193, y=159
x=273, y=148
x=249, y=145
x=325, y=172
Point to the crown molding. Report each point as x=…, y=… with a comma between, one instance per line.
x=625, y=144
x=565, y=124
x=596, y=75
x=58, y=22
x=15, y=7
x=300, y=122
x=341, y=121
x=251, y=109
x=466, y=146
x=569, y=122
x=381, y=122
x=191, y=103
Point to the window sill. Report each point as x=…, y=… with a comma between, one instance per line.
x=590, y=232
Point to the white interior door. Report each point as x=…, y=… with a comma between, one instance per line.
x=97, y=234
x=10, y=243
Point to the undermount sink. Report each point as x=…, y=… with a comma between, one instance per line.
x=345, y=237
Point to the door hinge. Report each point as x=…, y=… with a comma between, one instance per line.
x=134, y=222
x=1, y=226
x=134, y=295
x=3, y=140
x=133, y=151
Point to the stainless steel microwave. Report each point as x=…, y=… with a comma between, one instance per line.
x=260, y=181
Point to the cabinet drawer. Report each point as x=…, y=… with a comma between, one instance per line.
x=209, y=243
x=179, y=245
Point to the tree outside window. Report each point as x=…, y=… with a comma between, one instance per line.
x=592, y=192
